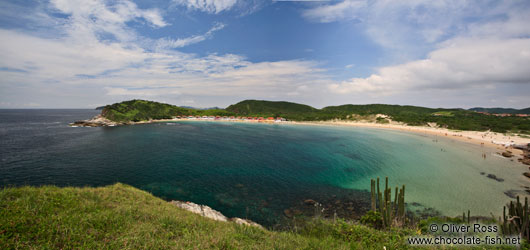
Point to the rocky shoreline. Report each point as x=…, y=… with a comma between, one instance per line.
x=208, y=212
x=96, y=121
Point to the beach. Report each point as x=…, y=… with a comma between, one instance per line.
x=495, y=140
x=490, y=139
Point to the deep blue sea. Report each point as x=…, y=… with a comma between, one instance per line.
x=255, y=171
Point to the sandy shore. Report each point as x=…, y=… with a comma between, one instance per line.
x=489, y=139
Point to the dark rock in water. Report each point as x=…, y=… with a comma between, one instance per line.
x=288, y=213
x=507, y=154
x=482, y=173
x=494, y=177
x=309, y=202
x=522, y=147
x=511, y=193
x=527, y=174
x=525, y=161
x=349, y=170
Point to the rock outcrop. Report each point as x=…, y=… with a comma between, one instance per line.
x=507, y=154
x=96, y=121
x=245, y=222
x=208, y=212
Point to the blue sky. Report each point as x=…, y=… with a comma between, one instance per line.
x=87, y=53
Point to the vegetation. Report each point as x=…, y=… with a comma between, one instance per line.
x=141, y=110
x=502, y=110
x=518, y=219
x=122, y=217
x=293, y=111
x=392, y=213
x=457, y=119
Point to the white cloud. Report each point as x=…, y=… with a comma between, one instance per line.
x=209, y=6
x=462, y=63
x=344, y=10
x=469, y=47
x=167, y=43
x=411, y=28
x=76, y=63
x=119, y=13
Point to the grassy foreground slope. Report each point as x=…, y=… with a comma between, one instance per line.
x=122, y=217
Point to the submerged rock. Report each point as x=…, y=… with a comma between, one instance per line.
x=494, y=177
x=288, y=213
x=310, y=202
x=513, y=193
x=525, y=161
x=507, y=154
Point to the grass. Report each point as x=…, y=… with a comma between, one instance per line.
x=122, y=217
x=444, y=113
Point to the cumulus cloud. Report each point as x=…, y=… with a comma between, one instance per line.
x=79, y=62
x=468, y=47
x=209, y=6
x=463, y=63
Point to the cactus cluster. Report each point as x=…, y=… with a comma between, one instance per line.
x=517, y=221
x=393, y=213
x=468, y=217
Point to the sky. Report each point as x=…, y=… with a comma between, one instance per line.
x=206, y=53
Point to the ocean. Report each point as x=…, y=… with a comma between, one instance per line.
x=263, y=172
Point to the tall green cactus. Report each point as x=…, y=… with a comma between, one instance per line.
x=392, y=213
x=518, y=219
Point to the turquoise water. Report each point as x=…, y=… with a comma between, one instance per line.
x=255, y=170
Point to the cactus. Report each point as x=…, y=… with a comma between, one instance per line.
x=468, y=217
x=392, y=213
x=517, y=220
x=373, y=195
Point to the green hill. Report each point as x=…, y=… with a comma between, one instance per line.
x=459, y=119
x=123, y=217
x=501, y=110
x=290, y=110
x=141, y=110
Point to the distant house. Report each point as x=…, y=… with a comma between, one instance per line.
x=270, y=118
